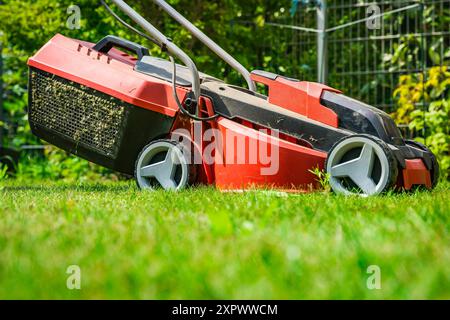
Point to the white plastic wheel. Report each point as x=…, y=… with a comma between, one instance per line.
x=362, y=165
x=162, y=163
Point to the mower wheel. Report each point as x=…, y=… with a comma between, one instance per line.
x=434, y=163
x=163, y=163
x=361, y=164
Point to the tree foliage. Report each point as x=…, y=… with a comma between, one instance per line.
x=432, y=125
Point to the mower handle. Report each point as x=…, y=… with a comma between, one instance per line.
x=208, y=42
x=176, y=51
x=108, y=42
x=166, y=43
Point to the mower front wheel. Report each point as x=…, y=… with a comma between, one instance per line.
x=361, y=164
x=165, y=164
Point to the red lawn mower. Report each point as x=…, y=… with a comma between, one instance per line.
x=121, y=108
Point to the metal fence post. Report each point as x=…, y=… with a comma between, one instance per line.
x=424, y=67
x=322, y=48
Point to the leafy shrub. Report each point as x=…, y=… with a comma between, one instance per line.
x=58, y=165
x=432, y=124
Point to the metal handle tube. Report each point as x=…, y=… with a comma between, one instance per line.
x=161, y=38
x=208, y=42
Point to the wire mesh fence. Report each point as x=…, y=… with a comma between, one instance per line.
x=368, y=62
x=365, y=61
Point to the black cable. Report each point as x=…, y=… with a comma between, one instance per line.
x=177, y=100
x=163, y=48
x=142, y=34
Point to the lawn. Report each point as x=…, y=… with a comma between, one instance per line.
x=201, y=243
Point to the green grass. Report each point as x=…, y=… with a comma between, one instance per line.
x=204, y=244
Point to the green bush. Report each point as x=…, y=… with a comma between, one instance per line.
x=57, y=165
x=430, y=124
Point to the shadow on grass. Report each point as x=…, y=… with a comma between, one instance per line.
x=98, y=187
x=126, y=186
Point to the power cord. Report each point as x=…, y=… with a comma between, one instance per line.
x=174, y=74
x=177, y=100
x=142, y=34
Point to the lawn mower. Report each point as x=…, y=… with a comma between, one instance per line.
x=114, y=104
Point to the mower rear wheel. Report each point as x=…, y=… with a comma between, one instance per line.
x=361, y=164
x=163, y=163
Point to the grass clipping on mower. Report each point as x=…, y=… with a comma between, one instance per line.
x=77, y=112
